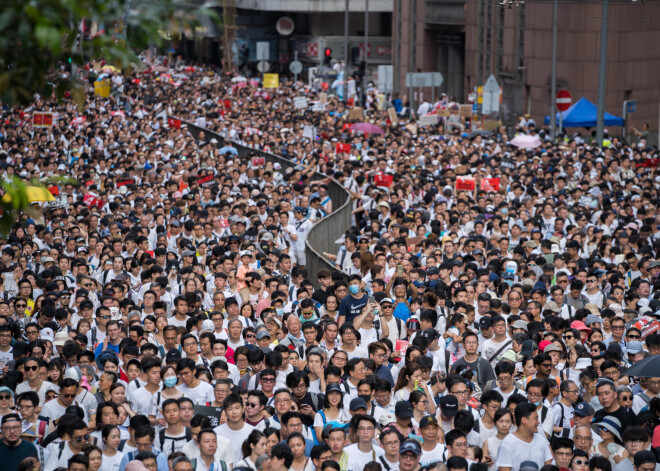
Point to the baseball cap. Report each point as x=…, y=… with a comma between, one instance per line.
x=262, y=334
x=386, y=301
x=529, y=466
x=208, y=324
x=528, y=348
x=10, y=417
x=359, y=403
x=333, y=387
x=485, y=322
x=584, y=409
x=173, y=355
x=449, y=405
x=230, y=300
x=411, y=446
x=428, y=420
x=403, y=409
x=520, y=324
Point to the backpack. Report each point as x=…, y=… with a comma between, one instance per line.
x=161, y=436
x=645, y=397
x=315, y=400
x=398, y=325
x=61, y=449
x=94, y=331
x=122, y=443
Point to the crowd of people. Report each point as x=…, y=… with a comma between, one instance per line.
x=159, y=314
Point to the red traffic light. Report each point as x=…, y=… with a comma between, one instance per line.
x=328, y=52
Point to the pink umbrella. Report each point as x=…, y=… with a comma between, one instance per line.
x=367, y=128
x=525, y=141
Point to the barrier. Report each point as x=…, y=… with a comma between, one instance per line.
x=323, y=235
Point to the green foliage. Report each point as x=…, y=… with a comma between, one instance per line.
x=38, y=38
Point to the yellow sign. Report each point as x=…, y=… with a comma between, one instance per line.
x=271, y=80
x=480, y=95
x=102, y=88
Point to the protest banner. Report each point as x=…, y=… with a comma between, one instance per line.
x=271, y=80
x=465, y=183
x=490, y=184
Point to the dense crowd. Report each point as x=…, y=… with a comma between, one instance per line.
x=486, y=310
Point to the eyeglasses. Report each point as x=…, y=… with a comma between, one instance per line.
x=618, y=327
x=582, y=462
x=104, y=317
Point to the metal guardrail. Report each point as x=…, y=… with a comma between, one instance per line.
x=323, y=235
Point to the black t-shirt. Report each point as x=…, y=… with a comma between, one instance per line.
x=625, y=415
x=320, y=296
x=13, y=455
x=351, y=307
x=481, y=369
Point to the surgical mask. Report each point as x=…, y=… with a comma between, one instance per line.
x=279, y=311
x=505, y=210
x=170, y=381
x=537, y=403
x=354, y=289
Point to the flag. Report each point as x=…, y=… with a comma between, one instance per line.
x=182, y=185
x=29, y=310
x=174, y=123
x=91, y=200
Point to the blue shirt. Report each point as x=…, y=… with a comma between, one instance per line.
x=99, y=348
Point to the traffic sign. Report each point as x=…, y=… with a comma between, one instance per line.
x=263, y=51
x=491, y=96
x=563, y=100
x=631, y=106
x=263, y=66
x=312, y=49
x=295, y=67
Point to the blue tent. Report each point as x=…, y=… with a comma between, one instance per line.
x=582, y=114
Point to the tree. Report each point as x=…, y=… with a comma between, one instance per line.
x=42, y=41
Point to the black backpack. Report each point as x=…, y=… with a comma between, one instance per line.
x=161, y=436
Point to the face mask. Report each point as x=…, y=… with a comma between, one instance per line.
x=365, y=397
x=354, y=289
x=537, y=403
x=279, y=311
x=170, y=381
x=504, y=210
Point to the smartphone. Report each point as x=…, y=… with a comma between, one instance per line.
x=371, y=300
x=115, y=314
x=399, y=270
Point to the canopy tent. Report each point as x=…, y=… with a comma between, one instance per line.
x=582, y=114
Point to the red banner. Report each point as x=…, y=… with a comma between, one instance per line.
x=91, y=200
x=128, y=181
x=465, y=183
x=490, y=184
x=258, y=161
x=174, y=123
x=54, y=190
x=342, y=148
x=346, y=127
x=205, y=179
x=383, y=180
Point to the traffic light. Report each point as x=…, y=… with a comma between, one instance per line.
x=327, y=55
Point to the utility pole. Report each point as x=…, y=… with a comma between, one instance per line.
x=366, y=51
x=346, y=56
x=553, y=85
x=602, y=68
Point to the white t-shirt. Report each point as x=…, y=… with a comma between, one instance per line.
x=144, y=402
x=437, y=454
x=490, y=348
x=45, y=387
x=237, y=437
x=203, y=392
x=111, y=463
x=358, y=459
x=513, y=451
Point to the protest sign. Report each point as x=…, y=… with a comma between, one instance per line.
x=271, y=80
x=465, y=183
x=490, y=184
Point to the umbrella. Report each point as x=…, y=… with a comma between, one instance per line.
x=367, y=128
x=525, y=141
x=239, y=79
x=34, y=193
x=647, y=368
x=228, y=150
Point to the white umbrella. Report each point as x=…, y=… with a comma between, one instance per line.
x=525, y=141
x=239, y=79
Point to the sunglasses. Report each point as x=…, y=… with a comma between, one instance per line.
x=582, y=462
x=634, y=336
x=5, y=397
x=250, y=336
x=21, y=305
x=268, y=380
x=84, y=438
x=31, y=368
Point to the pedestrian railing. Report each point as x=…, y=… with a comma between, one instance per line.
x=323, y=235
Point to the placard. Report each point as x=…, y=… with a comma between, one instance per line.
x=271, y=80
x=383, y=180
x=300, y=103
x=401, y=346
x=356, y=113
x=102, y=88
x=318, y=106
x=465, y=111
x=323, y=98
x=428, y=120
x=54, y=190
x=213, y=413
x=174, y=123
x=490, y=184
x=126, y=181
x=391, y=113
x=258, y=162
x=411, y=128
x=465, y=183
x=342, y=148
x=42, y=119
x=205, y=179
